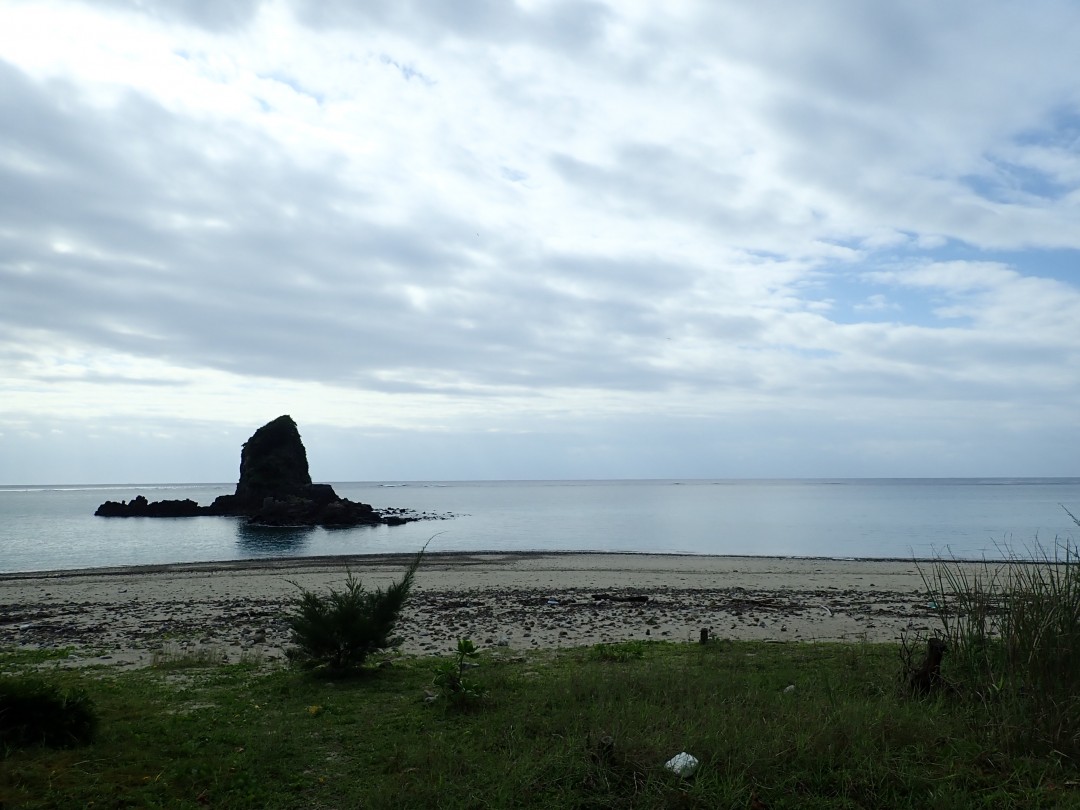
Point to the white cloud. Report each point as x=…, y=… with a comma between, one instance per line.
x=876, y=303
x=497, y=217
x=957, y=276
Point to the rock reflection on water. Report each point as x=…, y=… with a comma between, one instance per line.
x=265, y=541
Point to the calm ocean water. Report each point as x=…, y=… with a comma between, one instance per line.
x=52, y=528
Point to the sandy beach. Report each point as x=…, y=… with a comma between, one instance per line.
x=520, y=601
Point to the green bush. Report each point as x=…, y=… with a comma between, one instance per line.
x=36, y=712
x=339, y=631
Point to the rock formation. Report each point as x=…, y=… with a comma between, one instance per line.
x=273, y=467
x=273, y=463
x=275, y=489
x=140, y=507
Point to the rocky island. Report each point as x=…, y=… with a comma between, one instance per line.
x=275, y=489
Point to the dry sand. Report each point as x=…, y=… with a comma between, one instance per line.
x=126, y=616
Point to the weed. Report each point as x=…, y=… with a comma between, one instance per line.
x=451, y=679
x=172, y=656
x=1012, y=631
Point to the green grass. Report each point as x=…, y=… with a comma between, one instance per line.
x=251, y=736
x=32, y=656
x=1013, y=634
x=621, y=651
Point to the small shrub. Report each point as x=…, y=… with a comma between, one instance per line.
x=451, y=679
x=337, y=632
x=36, y=712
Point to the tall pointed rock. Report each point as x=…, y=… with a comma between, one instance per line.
x=273, y=463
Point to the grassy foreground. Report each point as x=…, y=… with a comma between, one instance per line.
x=586, y=728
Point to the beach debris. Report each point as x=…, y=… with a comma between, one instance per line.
x=789, y=689
x=683, y=764
x=504, y=641
x=610, y=597
x=552, y=601
x=827, y=611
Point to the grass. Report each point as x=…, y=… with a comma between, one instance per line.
x=1013, y=635
x=620, y=652
x=33, y=656
x=588, y=728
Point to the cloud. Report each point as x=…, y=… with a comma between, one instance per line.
x=954, y=277
x=541, y=219
x=876, y=303
x=568, y=25
x=220, y=16
x=999, y=301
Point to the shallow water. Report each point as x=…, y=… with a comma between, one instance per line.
x=43, y=528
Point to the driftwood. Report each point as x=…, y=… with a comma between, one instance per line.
x=927, y=677
x=613, y=598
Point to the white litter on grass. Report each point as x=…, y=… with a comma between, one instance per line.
x=682, y=765
x=789, y=689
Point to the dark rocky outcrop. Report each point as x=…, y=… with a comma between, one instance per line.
x=275, y=489
x=274, y=465
x=140, y=507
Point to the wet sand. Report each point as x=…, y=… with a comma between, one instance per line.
x=521, y=601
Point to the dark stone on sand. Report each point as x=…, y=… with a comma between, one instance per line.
x=274, y=490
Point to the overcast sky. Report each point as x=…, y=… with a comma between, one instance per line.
x=461, y=239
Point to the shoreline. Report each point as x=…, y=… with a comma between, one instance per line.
x=515, y=600
x=394, y=558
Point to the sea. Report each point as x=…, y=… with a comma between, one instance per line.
x=49, y=528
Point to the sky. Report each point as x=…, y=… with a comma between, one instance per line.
x=486, y=239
